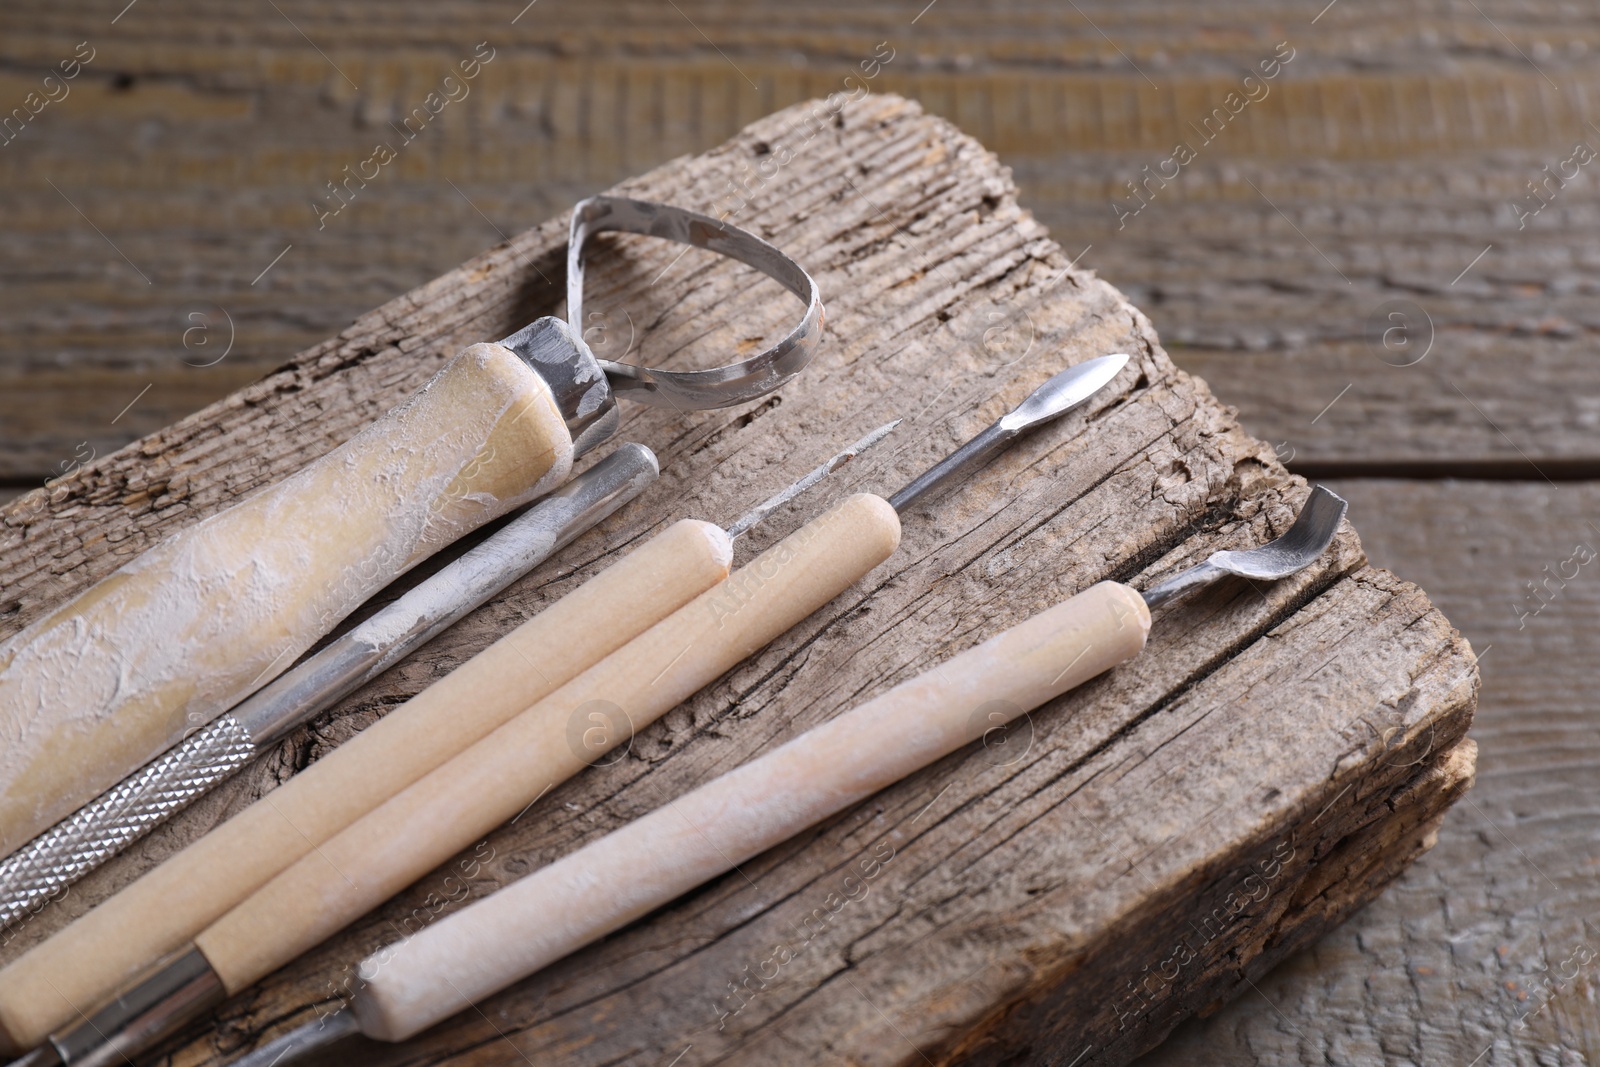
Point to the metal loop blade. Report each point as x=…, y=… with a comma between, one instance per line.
x=718, y=387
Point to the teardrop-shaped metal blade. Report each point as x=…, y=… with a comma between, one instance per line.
x=1064, y=392
x=1051, y=400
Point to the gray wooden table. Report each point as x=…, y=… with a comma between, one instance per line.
x=1349, y=252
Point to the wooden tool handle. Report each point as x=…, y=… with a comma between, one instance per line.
x=185, y=630
x=86, y=962
x=628, y=873
x=164, y=909
x=498, y=777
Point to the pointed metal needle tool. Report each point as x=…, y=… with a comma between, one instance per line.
x=794, y=489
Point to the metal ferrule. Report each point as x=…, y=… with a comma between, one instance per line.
x=583, y=396
x=178, y=991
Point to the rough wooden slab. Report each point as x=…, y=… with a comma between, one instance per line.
x=1138, y=850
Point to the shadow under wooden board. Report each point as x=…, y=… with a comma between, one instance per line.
x=1138, y=850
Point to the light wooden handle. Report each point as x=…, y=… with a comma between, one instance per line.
x=185, y=630
x=628, y=873
x=88, y=960
x=463, y=800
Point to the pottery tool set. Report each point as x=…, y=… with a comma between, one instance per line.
x=651, y=861
x=496, y=429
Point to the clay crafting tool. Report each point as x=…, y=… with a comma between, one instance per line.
x=506, y=771
x=42, y=869
x=183, y=632
x=630, y=872
x=176, y=900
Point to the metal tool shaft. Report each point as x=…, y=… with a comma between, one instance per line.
x=1309, y=537
x=302, y=1040
x=1054, y=398
x=43, y=869
x=969, y=457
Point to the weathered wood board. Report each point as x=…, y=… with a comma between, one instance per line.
x=1389, y=156
x=1276, y=757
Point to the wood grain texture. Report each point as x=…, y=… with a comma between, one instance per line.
x=1387, y=157
x=1481, y=953
x=1317, y=723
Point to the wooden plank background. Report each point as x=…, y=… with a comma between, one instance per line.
x=149, y=209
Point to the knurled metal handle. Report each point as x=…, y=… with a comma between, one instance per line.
x=47, y=865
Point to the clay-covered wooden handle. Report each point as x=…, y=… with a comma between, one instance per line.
x=88, y=960
x=184, y=631
x=630, y=872
x=499, y=776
